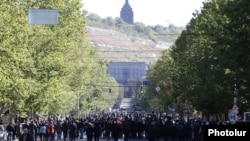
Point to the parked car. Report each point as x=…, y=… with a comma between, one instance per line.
x=3, y=133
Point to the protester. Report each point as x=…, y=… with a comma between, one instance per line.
x=25, y=135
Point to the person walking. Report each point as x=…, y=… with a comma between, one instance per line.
x=51, y=131
x=43, y=132
x=97, y=130
x=10, y=129
x=116, y=129
x=25, y=135
x=59, y=129
x=89, y=130
x=32, y=129
x=65, y=129
x=72, y=130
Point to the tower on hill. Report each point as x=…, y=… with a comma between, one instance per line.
x=127, y=13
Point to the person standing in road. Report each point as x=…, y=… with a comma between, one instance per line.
x=89, y=130
x=32, y=129
x=72, y=130
x=81, y=127
x=116, y=129
x=42, y=131
x=10, y=129
x=65, y=129
x=126, y=126
x=97, y=129
x=59, y=129
x=25, y=136
x=25, y=125
x=51, y=131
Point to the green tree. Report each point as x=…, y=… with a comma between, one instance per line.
x=14, y=56
x=44, y=67
x=207, y=58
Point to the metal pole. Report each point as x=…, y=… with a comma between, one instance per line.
x=32, y=113
x=78, y=105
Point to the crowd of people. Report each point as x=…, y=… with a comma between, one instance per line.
x=112, y=126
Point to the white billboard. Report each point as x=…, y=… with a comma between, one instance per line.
x=43, y=17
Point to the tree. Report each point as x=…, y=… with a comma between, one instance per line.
x=44, y=67
x=207, y=57
x=15, y=56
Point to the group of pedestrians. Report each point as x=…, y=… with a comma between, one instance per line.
x=112, y=126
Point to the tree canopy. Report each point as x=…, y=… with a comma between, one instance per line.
x=44, y=67
x=208, y=64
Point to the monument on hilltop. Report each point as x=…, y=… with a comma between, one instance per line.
x=127, y=13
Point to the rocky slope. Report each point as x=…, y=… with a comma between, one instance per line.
x=115, y=46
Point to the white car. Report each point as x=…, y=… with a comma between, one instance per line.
x=3, y=133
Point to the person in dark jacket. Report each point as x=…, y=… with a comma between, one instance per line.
x=116, y=129
x=25, y=136
x=97, y=130
x=32, y=129
x=65, y=128
x=10, y=129
x=89, y=130
x=72, y=130
x=126, y=128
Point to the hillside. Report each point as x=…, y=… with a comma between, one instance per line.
x=116, y=40
x=116, y=46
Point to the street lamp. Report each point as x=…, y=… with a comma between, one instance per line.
x=141, y=89
x=235, y=109
x=78, y=104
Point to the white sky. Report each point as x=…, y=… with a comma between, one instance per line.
x=148, y=12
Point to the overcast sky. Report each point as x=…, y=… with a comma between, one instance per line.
x=149, y=12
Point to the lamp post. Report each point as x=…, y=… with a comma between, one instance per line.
x=141, y=92
x=78, y=104
x=235, y=109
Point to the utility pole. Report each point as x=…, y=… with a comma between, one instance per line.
x=78, y=104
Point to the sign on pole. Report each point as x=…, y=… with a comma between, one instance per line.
x=43, y=17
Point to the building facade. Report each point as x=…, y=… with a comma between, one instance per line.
x=128, y=74
x=127, y=13
x=125, y=71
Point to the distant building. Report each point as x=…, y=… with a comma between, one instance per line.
x=125, y=71
x=128, y=74
x=127, y=13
